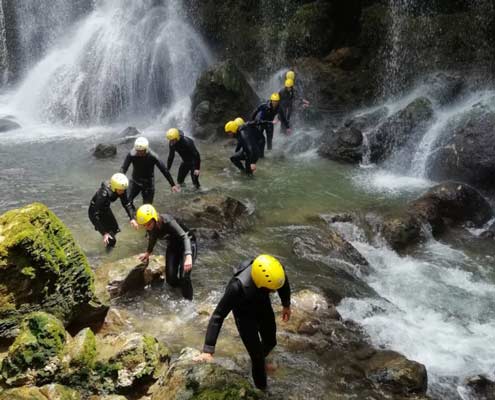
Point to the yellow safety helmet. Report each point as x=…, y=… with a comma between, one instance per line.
x=119, y=182
x=173, y=134
x=289, y=83
x=275, y=97
x=141, y=144
x=231, y=127
x=267, y=272
x=145, y=214
x=239, y=121
x=290, y=75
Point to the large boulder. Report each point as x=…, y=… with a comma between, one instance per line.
x=479, y=387
x=222, y=93
x=187, y=379
x=42, y=269
x=444, y=205
x=407, y=126
x=48, y=392
x=104, y=150
x=7, y=125
x=464, y=150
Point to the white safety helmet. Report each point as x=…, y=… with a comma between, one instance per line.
x=119, y=182
x=141, y=144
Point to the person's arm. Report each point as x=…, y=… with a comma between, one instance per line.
x=176, y=229
x=152, y=239
x=223, y=309
x=197, y=157
x=126, y=164
x=284, y=293
x=171, y=156
x=163, y=169
x=128, y=206
x=256, y=116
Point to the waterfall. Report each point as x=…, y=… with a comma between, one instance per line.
x=4, y=55
x=127, y=58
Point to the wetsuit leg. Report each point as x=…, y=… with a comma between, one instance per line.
x=173, y=259
x=195, y=179
x=261, y=143
x=269, y=136
x=267, y=328
x=237, y=159
x=183, y=170
x=248, y=330
x=133, y=191
x=148, y=194
x=185, y=277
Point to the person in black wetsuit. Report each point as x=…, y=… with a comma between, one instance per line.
x=181, y=247
x=144, y=161
x=248, y=296
x=247, y=147
x=191, y=160
x=288, y=98
x=264, y=116
x=100, y=213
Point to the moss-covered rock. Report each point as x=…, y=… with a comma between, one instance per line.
x=48, y=392
x=35, y=356
x=188, y=380
x=42, y=269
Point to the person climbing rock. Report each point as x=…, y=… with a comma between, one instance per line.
x=248, y=296
x=264, y=116
x=181, y=247
x=247, y=147
x=191, y=160
x=100, y=213
x=144, y=161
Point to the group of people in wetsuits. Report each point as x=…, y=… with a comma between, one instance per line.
x=247, y=293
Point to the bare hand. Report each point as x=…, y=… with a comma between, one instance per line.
x=106, y=238
x=144, y=258
x=286, y=312
x=188, y=263
x=196, y=172
x=176, y=189
x=253, y=168
x=134, y=224
x=204, y=357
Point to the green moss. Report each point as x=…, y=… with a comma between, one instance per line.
x=233, y=393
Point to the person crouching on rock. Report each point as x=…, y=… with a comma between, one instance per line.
x=247, y=147
x=191, y=160
x=181, y=247
x=100, y=213
x=248, y=296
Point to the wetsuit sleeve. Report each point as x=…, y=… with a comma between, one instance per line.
x=126, y=164
x=174, y=227
x=284, y=293
x=101, y=203
x=223, y=309
x=197, y=156
x=128, y=206
x=163, y=169
x=256, y=114
x=171, y=156
x=152, y=238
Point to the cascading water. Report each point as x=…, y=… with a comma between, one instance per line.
x=127, y=58
x=4, y=55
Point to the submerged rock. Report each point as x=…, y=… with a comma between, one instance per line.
x=187, y=379
x=7, y=125
x=222, y=93
x=444, y=205
x=105, y=150
x=42, y=269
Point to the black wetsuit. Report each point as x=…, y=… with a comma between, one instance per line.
x=180, y=242
x=247, y=149
x=264, y=116
x=191, y=160
x=287, y=97
x=254, y=318
x=143, y=174
x=102, y=216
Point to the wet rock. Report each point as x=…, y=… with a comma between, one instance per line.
x=443, y=88
x=187, y=379
x=36, y=354
x=405, y=126
x=222, y=93
x=480, y=387
x=464, y=151
x=7, y=125
x=345, y=144
x=105, y=150
x=128, y=135
x=215, y=211
x=116, y=321
x=42, y=268
x=48, y=392
x=396, y=372
x=444, y=205
x=128, y=275
x=346, y=58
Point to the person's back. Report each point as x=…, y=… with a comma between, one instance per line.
x=143, y=166
x=186, y=149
